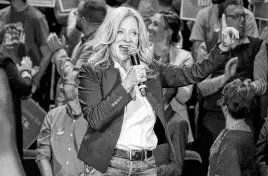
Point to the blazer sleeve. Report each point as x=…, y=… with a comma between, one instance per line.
x=98, y=110
x=178, y=76
x=22, y=86
x=261, y=151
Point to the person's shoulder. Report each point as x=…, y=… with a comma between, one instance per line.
x=35, y=13
x=247, y=11
x=204, y=11
x=240, y=137
x=4, y=11
x=53, y=112
x=89, y=70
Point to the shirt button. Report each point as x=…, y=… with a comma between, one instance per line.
x=69, y=149
x=71, y=134
x=73, y=120
x=67, y=162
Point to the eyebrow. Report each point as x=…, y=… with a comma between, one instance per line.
x=130, y=30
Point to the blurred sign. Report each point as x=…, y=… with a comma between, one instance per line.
x=68, y=5
x=189, y=8
x=260, y=10
x=32, y=119
x=39, y=3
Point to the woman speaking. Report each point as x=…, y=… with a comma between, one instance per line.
x=124, y=126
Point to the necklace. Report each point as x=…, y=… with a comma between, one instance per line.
x=218, y=141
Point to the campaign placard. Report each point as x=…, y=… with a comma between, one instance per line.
x=260, y=10
x=189, y=8
x=38, y=3
x=32, y=119
x=68, y=5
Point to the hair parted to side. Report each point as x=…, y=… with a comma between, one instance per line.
x=239, y=99
x=174, y=22
x=106, y=35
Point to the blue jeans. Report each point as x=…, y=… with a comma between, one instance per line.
x=123, y=167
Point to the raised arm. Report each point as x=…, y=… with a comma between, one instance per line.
x=174, y=76
x=177, y=76
x=260, y=70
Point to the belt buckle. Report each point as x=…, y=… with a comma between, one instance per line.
x=145, y=152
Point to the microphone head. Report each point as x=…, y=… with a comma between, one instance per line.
x=132, y=50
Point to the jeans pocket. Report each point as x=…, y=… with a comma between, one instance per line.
x=150, y=161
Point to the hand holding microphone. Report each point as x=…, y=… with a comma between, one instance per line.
x=136, y=75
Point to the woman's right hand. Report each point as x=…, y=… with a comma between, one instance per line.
x=135, y=75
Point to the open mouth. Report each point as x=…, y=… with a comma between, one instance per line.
x=124, y=48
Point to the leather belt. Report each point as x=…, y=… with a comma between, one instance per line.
x=133, y=155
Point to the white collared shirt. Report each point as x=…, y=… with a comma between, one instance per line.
x=137, y=131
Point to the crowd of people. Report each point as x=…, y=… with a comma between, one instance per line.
x=197, y=91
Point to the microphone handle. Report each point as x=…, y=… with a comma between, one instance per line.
x=142, y=88
x=136, y=61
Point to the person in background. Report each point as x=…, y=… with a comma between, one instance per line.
x=207, y=26
x=72, y=33
x=148, y=8
x=124, y=127
x=20, y=83
x=23, y=20
x=90, y=14
x=232, y=153
x=252, y=64
x=10, y=163
x=62, y=19
x=61, y=134
x=10, y=134
x=163, y=33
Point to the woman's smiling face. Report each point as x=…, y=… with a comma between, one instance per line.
x=127, y=35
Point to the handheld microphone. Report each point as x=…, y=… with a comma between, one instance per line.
x=135, y=60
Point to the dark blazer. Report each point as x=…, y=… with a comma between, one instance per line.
x=103, y=99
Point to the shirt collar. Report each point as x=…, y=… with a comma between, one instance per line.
x=71, y=114
x=88, y=36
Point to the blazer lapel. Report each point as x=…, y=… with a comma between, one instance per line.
x=155, y=99
x=111, y=79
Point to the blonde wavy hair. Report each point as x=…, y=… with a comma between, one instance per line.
x=106, y=35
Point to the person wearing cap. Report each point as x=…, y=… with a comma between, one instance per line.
x=90, y=14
